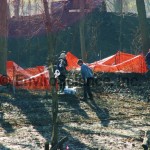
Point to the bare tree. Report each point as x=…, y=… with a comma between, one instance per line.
x=8, y=12
x=16, y=4
x=148, y=6
x=103, y=6
x=82, y=28
x=143, y=25
x=3, y=35
x=118, y=6
x=48, y=24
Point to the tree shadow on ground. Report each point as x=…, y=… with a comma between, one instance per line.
x=36, y=109
x=4, y=123
x=99, y=145
x=76, y=142
x=2, y=147
x=102, y=113
x=7, y=126
x=73, y=142
x=73, y=102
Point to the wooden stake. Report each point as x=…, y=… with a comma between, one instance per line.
x=46, y=146
x=146, y=140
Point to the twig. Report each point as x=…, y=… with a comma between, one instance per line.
x=60, y=143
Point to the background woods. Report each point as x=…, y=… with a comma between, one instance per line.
x=102, y=32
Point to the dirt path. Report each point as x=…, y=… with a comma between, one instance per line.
x=110, y=122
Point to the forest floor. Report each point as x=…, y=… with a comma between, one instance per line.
x=114, y=120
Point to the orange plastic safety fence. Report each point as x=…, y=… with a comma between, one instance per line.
x=120, y=62
x=31, y=78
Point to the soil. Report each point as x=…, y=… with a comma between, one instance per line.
x=114, y=120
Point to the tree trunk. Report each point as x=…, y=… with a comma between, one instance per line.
x=16, y=8
x=143, y=25
x=81, y=28
x=148, y=5
x=118, y=6
x=48, y=24
x=125, y=6
x=8, y=12
x=103, y=7
x=121, y=23
x=3, y=35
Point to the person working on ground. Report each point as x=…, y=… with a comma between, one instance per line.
x=61, y=66
x=148, y=59
x=87, y=76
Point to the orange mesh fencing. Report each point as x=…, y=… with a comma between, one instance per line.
x=120, y=62
x=137, y=65
x=31, y=78
x=38, y=78
x=121, y=57
x=72, y=61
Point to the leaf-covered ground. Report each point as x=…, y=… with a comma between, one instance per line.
x=112, y=121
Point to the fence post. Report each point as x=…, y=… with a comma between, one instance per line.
x=14, y=80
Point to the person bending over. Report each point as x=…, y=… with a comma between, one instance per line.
x=87, y=76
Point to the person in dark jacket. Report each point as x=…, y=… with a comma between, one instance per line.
x=61, y=66
x=87, y=76
x=148, y=59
